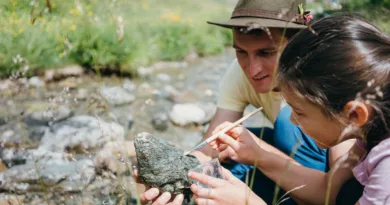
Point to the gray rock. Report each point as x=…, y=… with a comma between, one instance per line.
x=172, y=91
x=205, y=128
x=129, y=85
x=168, y=92
x=144, y=72
x=81, y=132
x=57, y=174
x=191, y=113
x=130, y=121
x=210, y=109
x=116, y=95
x=82, y=94
x=60, y=73
x=163, y=77
x=115, y=157
x=3, y=121
x=45, y=117
x=185, y=114
x=13, y=156
x=35, y=133
x=12, y=199
x=23, y=82
x=192, y=57
x=7, y=84
x=160, y=121
x=163, y=65
x=8, y=137
x=36, y=82
x=163, y=165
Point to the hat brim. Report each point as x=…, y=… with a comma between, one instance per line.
x=261, y=22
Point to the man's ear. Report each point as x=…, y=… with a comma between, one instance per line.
x=356, y=112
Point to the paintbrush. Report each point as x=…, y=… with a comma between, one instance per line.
x=223, y=131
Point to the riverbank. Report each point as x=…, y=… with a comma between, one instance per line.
x=70, y=141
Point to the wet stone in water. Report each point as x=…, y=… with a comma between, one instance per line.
x=163, y=165
x=160, y=121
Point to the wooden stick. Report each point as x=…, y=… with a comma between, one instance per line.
x=223, y=131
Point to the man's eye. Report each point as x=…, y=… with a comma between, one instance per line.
x=267, y=53
x=240, y=51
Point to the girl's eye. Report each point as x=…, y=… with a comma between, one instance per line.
x=298, y=114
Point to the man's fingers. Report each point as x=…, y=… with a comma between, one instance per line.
x=204, y=179
x=149, y=195
x=136, y=178
x=163, y=199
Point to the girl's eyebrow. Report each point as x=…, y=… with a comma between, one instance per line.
x=295, y=108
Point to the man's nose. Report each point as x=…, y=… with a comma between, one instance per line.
x=254, y=66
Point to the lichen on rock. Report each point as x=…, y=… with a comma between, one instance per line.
x=163, y=165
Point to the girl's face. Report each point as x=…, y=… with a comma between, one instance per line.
x=309, y=117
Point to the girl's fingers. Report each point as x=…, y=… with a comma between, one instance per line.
x=149, y=195
x=222, y=147
x=225, y=156
x=226, y=139
x=221, y=127
x=228, y=175
x=201, y=192
x=216, y=144
x=213, y=144
x=163, y=199
x=235, y=132
x=204, y=179
x=202, y=201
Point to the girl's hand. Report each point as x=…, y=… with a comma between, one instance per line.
x=231, y=191
x=237, y=144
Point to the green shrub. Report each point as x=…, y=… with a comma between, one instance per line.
x=85, y=32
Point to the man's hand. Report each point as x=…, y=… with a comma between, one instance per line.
x=153, y=194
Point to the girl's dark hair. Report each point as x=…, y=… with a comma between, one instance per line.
x=339, y=59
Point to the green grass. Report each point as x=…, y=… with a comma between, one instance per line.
x=377, y=14
x=85, y=32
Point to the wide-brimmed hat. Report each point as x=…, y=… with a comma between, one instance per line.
x=265, y=13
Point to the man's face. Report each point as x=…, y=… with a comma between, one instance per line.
x=257, y=56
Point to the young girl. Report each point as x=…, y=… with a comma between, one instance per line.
x=336, y=77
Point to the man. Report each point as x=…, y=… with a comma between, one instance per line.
x=258, y=27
